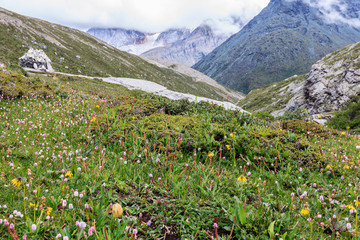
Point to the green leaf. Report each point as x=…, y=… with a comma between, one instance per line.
x=271, y=230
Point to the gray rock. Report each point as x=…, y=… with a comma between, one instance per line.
x=36, y=59
x=331, y=83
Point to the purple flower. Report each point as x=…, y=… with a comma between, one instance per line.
x=33, y=227
x=348, y=226
x=24, y=237
x=134, y=232
x=215, y=225
x=82, y=225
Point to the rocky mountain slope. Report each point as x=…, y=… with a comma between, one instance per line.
x=178, y=45
x=331, y=84
x=286, y=38
x=74, y=51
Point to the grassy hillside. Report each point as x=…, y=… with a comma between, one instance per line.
x=72, y=148
x=273, y=97
x=76, y=52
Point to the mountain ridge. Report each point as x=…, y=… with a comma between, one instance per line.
x=272, y=46
x=179, y=45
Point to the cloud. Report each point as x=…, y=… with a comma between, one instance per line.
x=335, y=11
x=146, y=15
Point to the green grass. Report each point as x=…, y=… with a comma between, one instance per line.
x=63, y=135
x=272, y=97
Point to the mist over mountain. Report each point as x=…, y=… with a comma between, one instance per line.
x=179, y=45
x=284, y=39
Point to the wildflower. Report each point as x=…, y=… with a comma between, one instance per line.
x=15, y=182
x=71, y=206
x=357, y=203
x=93, y=119
x=40, y=125
x=97, y=106
x=33, y=227
x=241, y=179
x=305, y=212
x=342, y=133
x=48, y=211
x=134, y=232
x=68, y=174
x=228, y=147
x=82, y=225
x=24, y=237
x=117, y=210
x=347, y=127
x=33, y=205
x=348, y=226
x=86, y=206
x=346, y=167
x=350, y=206
x=328, y=167
x=210, y=154
x=232, y=135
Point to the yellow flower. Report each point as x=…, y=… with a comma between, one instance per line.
x=210, y=154
x=49, y=210
x=93, y=119
x=350, y=207
x=346, y=167
x=328, y=167
x=228, y=147
x=342, y=133
x=97, y=106
x=40, y=125
x=15, y=182
x=351, y=163
x=67, y=83
x=305, y=212
x=117, y=210
x=232, y=135
x=319, y=116
x=347, y=127
x=241, y=179
x=33, y=205
x=70, y=100
x=68, y=174
x=62, y=85
x=357, y=203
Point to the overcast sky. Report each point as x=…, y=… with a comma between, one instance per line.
x=146, y=15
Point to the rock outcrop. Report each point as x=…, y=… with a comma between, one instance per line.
x=36, y=59
x=331, y=83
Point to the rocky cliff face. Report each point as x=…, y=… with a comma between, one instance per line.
x=333, y=81
x=190, y=49
x=286, y=38
x=331, y=84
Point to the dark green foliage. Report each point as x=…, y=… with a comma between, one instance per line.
x=348, y=118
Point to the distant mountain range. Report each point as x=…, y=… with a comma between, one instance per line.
x=178, y=45
x=284, y=39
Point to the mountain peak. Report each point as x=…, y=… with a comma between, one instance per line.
x=284, y=39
